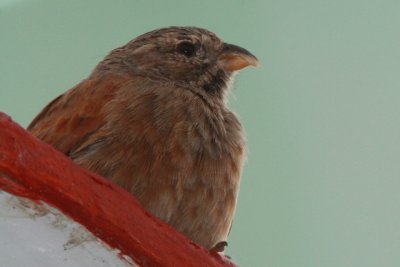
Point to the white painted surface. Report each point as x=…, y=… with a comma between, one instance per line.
x=41, y=236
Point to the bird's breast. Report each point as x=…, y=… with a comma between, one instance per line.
x=181, y=159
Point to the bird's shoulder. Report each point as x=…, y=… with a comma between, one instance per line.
x=71, y=118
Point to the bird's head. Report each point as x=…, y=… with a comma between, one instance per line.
x=188, y=57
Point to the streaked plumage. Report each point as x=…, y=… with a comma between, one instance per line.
x=152, y=117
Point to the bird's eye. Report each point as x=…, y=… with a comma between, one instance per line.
x=186, y=48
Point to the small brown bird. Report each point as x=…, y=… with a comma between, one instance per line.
x=152, y=117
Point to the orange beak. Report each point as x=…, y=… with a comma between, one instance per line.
x=234, y=58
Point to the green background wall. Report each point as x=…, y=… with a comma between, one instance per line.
x=321, y=186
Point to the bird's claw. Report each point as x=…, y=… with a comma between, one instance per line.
x=219, y=247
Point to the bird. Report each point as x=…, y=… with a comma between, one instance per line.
x=153, y=118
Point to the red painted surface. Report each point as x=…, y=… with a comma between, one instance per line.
x=32, y=169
